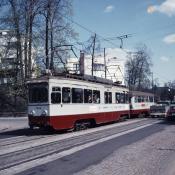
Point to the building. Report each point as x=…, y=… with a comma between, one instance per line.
x=110, y=67
x=8, y=57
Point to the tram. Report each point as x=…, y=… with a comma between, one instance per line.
x=140, y=103
x=75, y=102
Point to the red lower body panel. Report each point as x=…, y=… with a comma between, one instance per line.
x=136, y=112
x=68, y=121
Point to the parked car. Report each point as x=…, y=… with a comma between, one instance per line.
x=160, y=109
x=171, y=112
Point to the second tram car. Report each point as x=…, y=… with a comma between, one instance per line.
x=62, y=102
x=140, y=103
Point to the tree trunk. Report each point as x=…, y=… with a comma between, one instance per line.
x=19, y=60
x=26, y=46
x=47, y=38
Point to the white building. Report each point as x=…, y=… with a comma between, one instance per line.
x=8, y=57
x=115, y=61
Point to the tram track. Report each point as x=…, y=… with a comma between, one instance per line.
x=20, y=156
x=22, y=139
x=15, y=142
x=10, y=146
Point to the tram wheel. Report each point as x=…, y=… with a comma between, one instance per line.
x=82, y=125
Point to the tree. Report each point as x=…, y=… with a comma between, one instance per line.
x=35, y=23
x=138, y=69
x=57, y=30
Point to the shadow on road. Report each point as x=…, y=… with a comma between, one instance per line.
x=28, y=132
x=168, y=122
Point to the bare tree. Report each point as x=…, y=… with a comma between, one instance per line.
x=57, y=29
x=138, y=69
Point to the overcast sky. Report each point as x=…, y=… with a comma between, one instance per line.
x=151, y=22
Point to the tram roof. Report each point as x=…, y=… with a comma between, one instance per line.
x=85, y=78
x=140, y=93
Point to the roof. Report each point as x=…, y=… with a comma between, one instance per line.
x=86, y=78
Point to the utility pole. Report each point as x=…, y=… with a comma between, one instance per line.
x=93, y=51
x=105, y=61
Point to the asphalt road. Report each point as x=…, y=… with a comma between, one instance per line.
x=126, y=148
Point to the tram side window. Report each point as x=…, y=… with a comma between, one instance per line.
x=127, y=98
x=96, y=96
x=136, y=99
x=77, y=95
x=146, y=99
x=120, y=97
x=108, y=97
x=139, y=99
x=56, y=95
x=66, y=95
x=117, y=97
x=87, y=96
x=151, y=99
x=142, y=98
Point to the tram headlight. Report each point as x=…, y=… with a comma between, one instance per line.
x=32, y=113
x=44, y=113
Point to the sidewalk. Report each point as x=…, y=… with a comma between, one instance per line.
x=4, y=127
x=13, y=123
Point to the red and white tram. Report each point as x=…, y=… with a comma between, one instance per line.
x=140, y=103
x=62, y=102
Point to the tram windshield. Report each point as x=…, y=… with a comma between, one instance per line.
x=38, y=94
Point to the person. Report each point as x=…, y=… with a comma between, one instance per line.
x=96, y=99
x=89, y=99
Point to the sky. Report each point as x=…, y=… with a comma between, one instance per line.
x=150, y=22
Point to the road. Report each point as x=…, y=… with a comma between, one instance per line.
x=139, y=146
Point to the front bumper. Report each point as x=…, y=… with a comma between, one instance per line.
x=39, y=121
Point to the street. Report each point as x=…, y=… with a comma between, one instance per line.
x=137, y=146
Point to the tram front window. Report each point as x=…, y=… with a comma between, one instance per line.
x=38, y=94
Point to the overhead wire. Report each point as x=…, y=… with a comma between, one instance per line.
x=92, y=32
